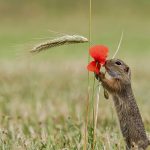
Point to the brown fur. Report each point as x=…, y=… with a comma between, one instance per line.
x=119, y=86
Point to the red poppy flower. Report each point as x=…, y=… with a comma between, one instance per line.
x=99, y=53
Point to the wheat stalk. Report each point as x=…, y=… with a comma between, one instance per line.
x=66, y=39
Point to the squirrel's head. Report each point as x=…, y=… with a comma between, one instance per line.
x=117, y=69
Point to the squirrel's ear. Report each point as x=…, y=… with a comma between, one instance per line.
x=127, y=70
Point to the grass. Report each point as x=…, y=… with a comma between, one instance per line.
x=43, y=97
x=39, y=113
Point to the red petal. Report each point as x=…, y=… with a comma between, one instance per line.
x=99, y=53
x=94, y=67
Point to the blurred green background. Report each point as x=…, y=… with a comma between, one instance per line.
x=43, y=96
x=24, y=22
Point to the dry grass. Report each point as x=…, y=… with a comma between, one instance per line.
x=42, y=106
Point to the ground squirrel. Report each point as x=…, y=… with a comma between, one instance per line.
x=119, y=87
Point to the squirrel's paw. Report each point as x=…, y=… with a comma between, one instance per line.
x=100, y=76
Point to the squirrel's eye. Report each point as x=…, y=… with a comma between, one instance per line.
x=118, y=62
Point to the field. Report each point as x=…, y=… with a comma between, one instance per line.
x=43, y=96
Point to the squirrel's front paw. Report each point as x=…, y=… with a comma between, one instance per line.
x=100, y=76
